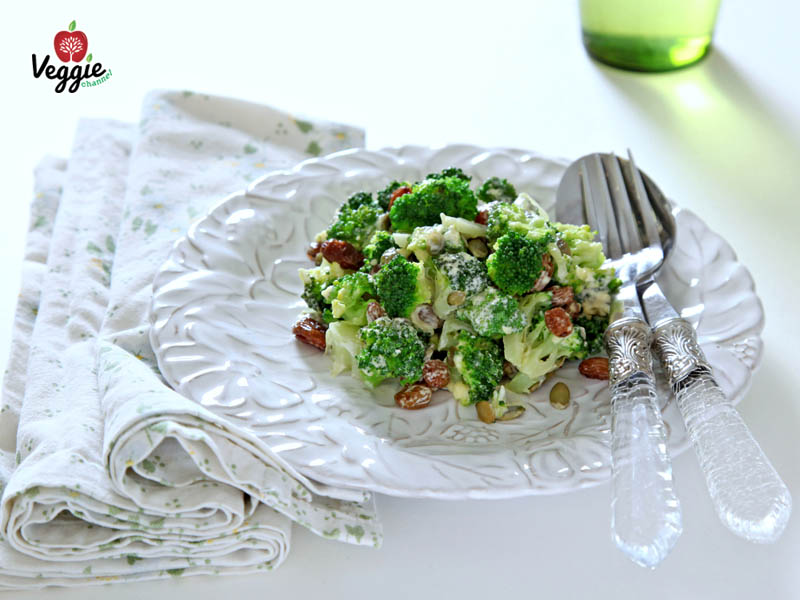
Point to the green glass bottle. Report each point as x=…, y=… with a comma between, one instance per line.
x=648, y=35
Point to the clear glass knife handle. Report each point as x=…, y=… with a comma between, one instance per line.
x=645, y=511
x=748, y=494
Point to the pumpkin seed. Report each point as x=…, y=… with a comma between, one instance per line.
x=478, y=248
x=513, y=412
x=559, y=396
x=485, y=411
x=456, y=298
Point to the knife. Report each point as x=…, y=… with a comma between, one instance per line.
x=748, y=494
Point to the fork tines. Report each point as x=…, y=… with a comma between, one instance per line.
x=617, y=205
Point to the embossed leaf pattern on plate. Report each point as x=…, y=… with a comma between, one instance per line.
x=226, y=299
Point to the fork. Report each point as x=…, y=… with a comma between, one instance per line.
x=748, y=494
x=645, y=511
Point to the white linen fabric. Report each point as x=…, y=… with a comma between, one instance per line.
x=107, y=473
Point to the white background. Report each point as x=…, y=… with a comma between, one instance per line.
x=722, y=138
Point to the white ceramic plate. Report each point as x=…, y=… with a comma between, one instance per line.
x=225, y=301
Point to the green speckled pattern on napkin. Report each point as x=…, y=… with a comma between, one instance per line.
x=107, y=473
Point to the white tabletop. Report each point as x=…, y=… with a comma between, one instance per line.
x=722, y=138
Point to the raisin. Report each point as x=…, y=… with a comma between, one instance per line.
x=424, y=318
x=413, y=397
x=483, y=217
x=313, y=250
x=435, y=374
x=343, y=253
x=547, y=264
x=509, y=370
x=558, y=322
x=562, y=296
x=574, y=309
x=545, y=275
x=374, y=311
x=401, y=191
x=311, y=332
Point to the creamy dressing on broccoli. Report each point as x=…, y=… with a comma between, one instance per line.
x=460, y=271
x=595, y=302
x=474, y=283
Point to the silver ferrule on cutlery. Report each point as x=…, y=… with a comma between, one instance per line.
x=674, y=340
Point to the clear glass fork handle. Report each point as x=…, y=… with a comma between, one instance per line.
x=645, y=511
x=748, y=494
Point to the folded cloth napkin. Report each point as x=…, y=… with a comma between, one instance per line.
x=107, y=473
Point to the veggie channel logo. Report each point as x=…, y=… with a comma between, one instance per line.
x=71, y=47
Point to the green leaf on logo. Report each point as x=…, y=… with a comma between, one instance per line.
x=72, y=26
x=89, y=58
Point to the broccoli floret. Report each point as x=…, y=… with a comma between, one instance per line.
x=392, y=348
x=516, y=262
x=533, y=305
x=504, y=217
x=357, y=200
x=349, y=297
x=385, y=195
x=594, y=327
x=316, y=280
x=456, y=272
x=496, y=189
x=312, y=294
x=343, y=344
x=380, y=242
x=450, y=172
x=355, y=224
x=535, y=351
x=492, y=313
x=402, y=285
x=479, y=362
x=584, y=250
x=431, y=198
x=578, y=260
x=464, y=272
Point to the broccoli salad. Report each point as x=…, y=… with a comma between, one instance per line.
x=437, y=284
